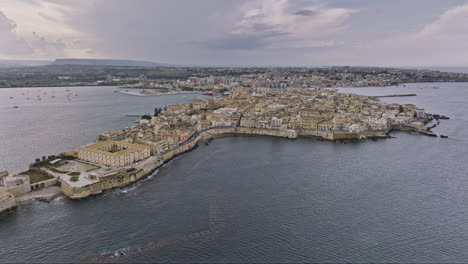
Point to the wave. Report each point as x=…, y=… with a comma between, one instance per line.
x=134, y=186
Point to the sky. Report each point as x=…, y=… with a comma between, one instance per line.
x=239, y=32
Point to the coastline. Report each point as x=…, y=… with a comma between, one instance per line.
x=154, y=162
x=136, y=93
x=124, y=174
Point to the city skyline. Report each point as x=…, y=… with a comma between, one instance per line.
x=239, y=33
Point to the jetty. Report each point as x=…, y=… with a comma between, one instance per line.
x=393, y=95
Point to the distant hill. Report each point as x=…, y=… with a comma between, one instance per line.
x=22, y=63
x=104, y=62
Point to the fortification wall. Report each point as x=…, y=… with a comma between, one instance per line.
x=21, y=189
x=221, y=131
x=43, y=184
x=7, y=201
x=327, y=135
x=123, y=179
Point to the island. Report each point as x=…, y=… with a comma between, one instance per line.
x=118, y=158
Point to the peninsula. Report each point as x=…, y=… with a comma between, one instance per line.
x=118, y=158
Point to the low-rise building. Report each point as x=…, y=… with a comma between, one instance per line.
x=114, y=153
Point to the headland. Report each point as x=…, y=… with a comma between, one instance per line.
x=119, y=158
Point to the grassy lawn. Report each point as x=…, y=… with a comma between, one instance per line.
x=47, y=166
x=57, y=171
x=75, y=173
x=36, y=176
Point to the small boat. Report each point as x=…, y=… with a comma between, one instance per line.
x=11, y=97
x=443, y=136
x=15, y=106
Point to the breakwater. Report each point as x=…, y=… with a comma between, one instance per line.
x=394, y=95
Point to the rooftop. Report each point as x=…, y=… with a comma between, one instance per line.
x=130, y=147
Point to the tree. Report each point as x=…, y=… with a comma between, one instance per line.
x=157, y=111
x=38, y=160
x=147, y=117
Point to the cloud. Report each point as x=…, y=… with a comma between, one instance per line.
x=453, y=23
x=41, y=29
x=280, y=24
x=239, y=32
x=10, y=42
x=32, y=45
x=305, y=12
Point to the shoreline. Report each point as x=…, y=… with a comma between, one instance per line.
x=136, y=93
x=45, y=195
x=339, y=87
x=125, y=170
x=77, y=193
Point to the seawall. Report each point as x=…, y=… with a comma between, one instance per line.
x=124, y=177
x=121, y=179
x=221, y=131
x=7, y=201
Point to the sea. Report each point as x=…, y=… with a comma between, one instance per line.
x=245, y=198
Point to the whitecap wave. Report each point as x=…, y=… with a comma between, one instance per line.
x=137, y=184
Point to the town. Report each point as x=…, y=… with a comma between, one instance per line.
x=118, y=158
x=215, y=79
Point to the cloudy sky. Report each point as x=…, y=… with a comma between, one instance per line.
x=239, y=32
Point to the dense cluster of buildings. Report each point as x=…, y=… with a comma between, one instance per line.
x=282, y=78
x=123, y=156
x=268, y=108
x=217, y=78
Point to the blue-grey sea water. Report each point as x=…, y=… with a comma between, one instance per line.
x=250, y=199
x=58, y=119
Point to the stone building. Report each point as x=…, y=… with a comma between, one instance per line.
x=113, y=153
x=15, y=184
x=7, y=201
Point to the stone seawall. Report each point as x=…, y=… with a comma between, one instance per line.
x=123, y=178
x=221, y=131
x=7, y=201
x=21, y=189
x=327, y=135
